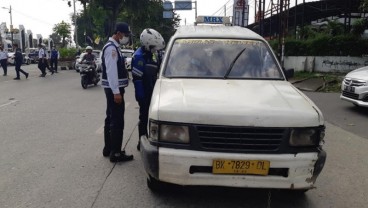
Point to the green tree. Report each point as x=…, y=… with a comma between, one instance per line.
x=359, y=27
x=335, y=28
x=62, y=29
x=98, y=18
x=56, y=38
x=364, y=5
x=112, y=8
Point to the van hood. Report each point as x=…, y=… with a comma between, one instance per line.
x=261, y=103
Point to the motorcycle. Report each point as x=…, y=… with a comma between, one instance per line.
x=88, y=73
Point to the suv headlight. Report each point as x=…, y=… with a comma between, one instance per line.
x=306, y=136
x=169, y=133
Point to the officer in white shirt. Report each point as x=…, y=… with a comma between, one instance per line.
x=114, y=80
x=4, y=60
x=41, y=60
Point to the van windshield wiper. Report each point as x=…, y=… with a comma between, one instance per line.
x=233, y=62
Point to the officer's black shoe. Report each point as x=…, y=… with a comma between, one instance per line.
x=106, y=152
x=120, y=157
x=139, y=146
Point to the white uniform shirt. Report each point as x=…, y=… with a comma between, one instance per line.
x=41, y=53
x=46, y=53
x=111, y=59
x=3, y=55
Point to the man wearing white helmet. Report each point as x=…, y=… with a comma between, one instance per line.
x=89, y=56
x=144, y=71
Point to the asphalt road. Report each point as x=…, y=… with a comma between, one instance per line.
x=341, y=113
x=51, y=139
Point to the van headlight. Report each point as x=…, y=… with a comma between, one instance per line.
x=306, y=137
x=174, y=133
x=153, y=132
x=169, y=133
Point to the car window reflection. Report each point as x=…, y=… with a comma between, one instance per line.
x=212, y=58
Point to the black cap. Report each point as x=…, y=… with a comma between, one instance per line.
x=122, y=27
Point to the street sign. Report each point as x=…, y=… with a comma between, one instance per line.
x=168, y=5
x=238, y=12
x=168, y=15
x=183, y=5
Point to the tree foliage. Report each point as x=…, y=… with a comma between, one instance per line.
x=62, y=29
x=327, y=40
x=99, y=17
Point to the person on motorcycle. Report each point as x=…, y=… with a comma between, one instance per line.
x=144, y=71
x=89, y=57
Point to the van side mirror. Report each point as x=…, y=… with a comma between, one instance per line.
x=289, y=73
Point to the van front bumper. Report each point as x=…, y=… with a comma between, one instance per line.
x=178, y=166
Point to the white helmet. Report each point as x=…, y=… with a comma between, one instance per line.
x=89, y=48
x=152, y=40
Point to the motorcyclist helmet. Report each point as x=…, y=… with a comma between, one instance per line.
x=89, y=49
x=152, y=40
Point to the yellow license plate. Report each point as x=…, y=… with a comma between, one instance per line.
x=254, y=167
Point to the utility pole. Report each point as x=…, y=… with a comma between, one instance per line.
x=11, y=23
x=195, y=5
x=243, y=12
x=75, y=26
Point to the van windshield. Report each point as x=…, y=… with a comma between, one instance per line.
x=214, y=58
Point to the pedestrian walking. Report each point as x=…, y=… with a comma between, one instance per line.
x=144, y=71
x=18, y=62
x=4, y=60
x=41, y=64
x=54, y=59
x=114, y=80
x=47, y=58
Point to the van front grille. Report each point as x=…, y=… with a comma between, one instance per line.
x=240, y=138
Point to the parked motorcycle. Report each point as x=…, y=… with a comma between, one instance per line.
x=88, y=74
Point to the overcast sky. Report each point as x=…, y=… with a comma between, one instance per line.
x=216, y=8
x=40, y=16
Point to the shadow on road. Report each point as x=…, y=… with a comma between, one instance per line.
x=231, y=197
x=358, y=110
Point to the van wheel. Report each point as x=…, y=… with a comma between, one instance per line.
x=154, y=185
x=297, y=192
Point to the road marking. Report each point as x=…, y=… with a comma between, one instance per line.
x=101, y=129
x=9, y=103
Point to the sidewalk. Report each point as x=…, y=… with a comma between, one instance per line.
x=309, y=84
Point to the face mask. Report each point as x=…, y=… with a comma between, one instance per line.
x=124, y=40
x=153, y=50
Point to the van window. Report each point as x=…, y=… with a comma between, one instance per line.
x=212, y=58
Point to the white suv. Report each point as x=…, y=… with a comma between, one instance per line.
x=354, y=87
x=222, y=113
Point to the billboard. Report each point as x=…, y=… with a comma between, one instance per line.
x=238, y=18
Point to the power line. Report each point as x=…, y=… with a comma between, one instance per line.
x=221, y=8
x=33, y=18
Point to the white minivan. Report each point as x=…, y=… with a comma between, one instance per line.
x=223, y=114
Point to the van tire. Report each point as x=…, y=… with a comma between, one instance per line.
x=155, y=185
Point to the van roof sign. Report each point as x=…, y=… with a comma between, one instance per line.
x=213, y=20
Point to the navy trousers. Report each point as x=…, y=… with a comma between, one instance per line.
x=114, y=122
